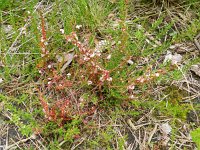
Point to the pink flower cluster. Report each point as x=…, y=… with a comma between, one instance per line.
x=89, y=56
x=143, y=79
x=43, y=41
x=87, y=53
x=105, y=76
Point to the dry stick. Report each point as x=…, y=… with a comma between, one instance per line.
x=37, y=146
x=74, y=147
x=191, y=97
x=137, y=141
x=7, y=138
x=120, y=134
x=19, y=142
x=144, y=139
x=44, y=148
x=152, y=133
x=131, y=124
x=192, y=90
x=192, y=83
x=146, y=115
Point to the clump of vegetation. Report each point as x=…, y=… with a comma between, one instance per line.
x=195, y=136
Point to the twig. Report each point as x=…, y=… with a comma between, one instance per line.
x=74, y=147
x=131, y=124
x=19, y=142
x=152, y=133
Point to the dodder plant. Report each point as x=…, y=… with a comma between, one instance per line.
x=64, y=100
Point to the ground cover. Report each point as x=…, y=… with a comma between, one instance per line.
x=99, y=74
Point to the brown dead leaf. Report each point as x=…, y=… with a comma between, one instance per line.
x=66, y=59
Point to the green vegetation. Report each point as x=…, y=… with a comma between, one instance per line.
x=196, y=136
x=73, y=72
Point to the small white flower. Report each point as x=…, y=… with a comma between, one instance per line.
x=86, y=58
x=68, y=75
x=131, y=87
x=42, y=40
x=92, y=55
x=49, y=66
x=89, y=82
x=154, y=45
x=101, y=78
x=157, y=74
x=139, y=26
x=40, y=71
x=43, y=49
x=62, y=31
x=147, y=40
x=69, y=40
x=103, y=43
x=49, y=82
x=76, y=37
x=46, y=43
x=109, y=56
x=80, y=104
x=78, y=26
x=24, y=32
x=109, y=79
x=142, y=80
x=23, y=28
x=130, y=62
x=98, y=67
x=131, y=96
x=1, y=80
x=147, y=75
x=28, y=12
x=98, y=53
x=81, y=99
